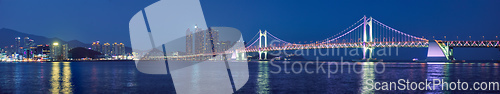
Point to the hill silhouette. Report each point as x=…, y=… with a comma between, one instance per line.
x=80, y=52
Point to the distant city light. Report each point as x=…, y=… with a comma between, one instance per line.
x=55, y=43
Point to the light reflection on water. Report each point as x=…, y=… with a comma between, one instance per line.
x=438, y=71
x=18, y=75
x=263, y=78
x=67, y=87
x=368, y=74
x=123, y=77
x=55, y=79
x=195, y=74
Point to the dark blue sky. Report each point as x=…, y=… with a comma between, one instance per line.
x=291, y=20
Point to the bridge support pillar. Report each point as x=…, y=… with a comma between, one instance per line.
x=367, y=37
x=260, y=55
x=262, y=46
x=370, y=52
x=450, y=53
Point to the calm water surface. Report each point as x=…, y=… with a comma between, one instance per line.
x=123, y=77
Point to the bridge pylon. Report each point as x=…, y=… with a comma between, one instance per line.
x=262, y=51
x=367, y=38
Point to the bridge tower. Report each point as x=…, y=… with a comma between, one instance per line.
x=261, y=51
x=367, y=38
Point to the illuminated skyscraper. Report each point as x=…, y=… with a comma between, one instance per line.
x=17, y=45
x=96, y=46
x=28, y=50
x=59, y=52
x=64, y=53
x=25, y=47
x=225, y=45
x=114, y=49
x=122, y=49
x=31, y=43
x=199, y=46
x=43, y=51
x=211, y=41
x=106, y=49
x=118, y=49
x=27, y=42
x=189, y=42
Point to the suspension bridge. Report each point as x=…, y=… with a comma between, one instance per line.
x=367, y=33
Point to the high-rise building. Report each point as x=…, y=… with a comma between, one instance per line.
x=114, y=48
x=27, y=43
x=199, y=40
x=17, y=45
x=118, y=49
x=206, y=41
x=27, y=48
x=122, y=49
x=106, y=49
x=211, y=41
x=189, y=42
x=59, y=52
x=225, y=45
x=64, y=53
x=96, y=46
x=42, y=51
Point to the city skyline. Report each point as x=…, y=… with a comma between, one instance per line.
x=26, y=49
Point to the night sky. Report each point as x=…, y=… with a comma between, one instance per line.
x=291, y=20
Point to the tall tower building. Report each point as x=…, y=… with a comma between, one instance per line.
x=106, y=49
x=31, y=43
x=59, y=51
x=224, y=45
x=55, y=51
x=189, y=42
x=211, y=41
x=122, y=49
x=64, y=52
x=114, y=49
x=199, y=40
x=28, y=47
x=43, y=49
x=26, y=42
x=96, y=46
x=118, y=49
x=17, y=45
